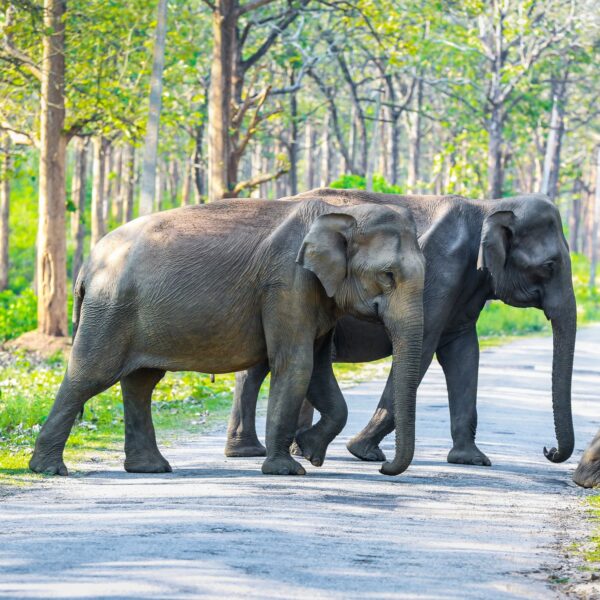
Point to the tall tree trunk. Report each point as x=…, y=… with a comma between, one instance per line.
x=495, y=166
x=375, y=140
x=293, y=143
x=595, y=196
x=78, y=199
x=550, y=172
x=51, y=241
x=198, y=164
x=309, y=156
x=128, y=188
x=414, y=147
x=4, y=209
x=117, y=198
x=148, y=183
x=98, y=223
x=219, y=104
x=107, y=195
x=326, y=154
x=575, y=216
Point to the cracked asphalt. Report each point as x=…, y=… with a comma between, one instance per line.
x=218, y=528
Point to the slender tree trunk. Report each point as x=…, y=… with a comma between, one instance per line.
x=78, y=199
x=375, y=141
x=414, y=148
x=293, y=143
x=326, y=154
x=550, y=172
x=98, y=223
x=495, y=166
x=4, y=209
x=148, y=183
x=575, y=216
x=128, y=188
x=219, y=107
x=107, y=195
x=595, y=222
x=119, y=183
x=198, y=164
x=309, y=156
x=51, y=240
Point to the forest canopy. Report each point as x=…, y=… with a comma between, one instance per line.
x=113, y=109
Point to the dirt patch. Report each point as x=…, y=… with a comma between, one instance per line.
x=41, y=344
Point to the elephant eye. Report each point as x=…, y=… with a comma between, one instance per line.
x=387, y=279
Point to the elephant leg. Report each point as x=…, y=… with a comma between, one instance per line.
x=290, y=351
x=325, y=395
x=73, y=393
x=365, y=445
x=305, y=421
x=459, y=359
x=141, y=452
x=241, y=431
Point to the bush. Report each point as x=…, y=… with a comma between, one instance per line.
x=357, y=182
x=18, y=313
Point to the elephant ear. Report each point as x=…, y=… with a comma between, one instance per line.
x=324, y=249
x=496, y=234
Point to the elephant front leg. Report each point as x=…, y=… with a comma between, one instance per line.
x=290, y=377
x=459, y=359
x=141, y=452
x=241, y=431
x=325, y=395
x=365, y=444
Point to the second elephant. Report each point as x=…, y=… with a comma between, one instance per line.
x=512, y=249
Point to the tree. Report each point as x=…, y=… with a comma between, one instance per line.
x=229, y=102
x=51, y=242
x=5, y=176
x=149, y=165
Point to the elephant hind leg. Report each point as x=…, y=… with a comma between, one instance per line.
x=241, y=431
x=141, y=452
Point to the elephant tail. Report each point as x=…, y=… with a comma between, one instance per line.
x=78, y=294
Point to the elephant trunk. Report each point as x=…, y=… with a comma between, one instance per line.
x=564, y=327
x=404, y=324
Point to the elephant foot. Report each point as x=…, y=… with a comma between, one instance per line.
x=587, y=475
x=151, y=463
x=311, y=446
x=365, y=450
x=47, y=464
x=468, y=455
x=282, y=465
x=244, y=448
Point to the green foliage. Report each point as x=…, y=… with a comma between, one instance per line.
x=18, y=313
x=357, y=182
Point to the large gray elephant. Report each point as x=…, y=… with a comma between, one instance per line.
x=512, y=249
x=587, y=473
x=221, y=287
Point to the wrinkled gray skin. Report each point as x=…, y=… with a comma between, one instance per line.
x=587, y=473
x=512, y=249
x=222, y=287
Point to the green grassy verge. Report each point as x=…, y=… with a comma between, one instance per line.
x=592, y=555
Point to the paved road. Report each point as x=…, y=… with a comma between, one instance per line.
x=217, y=528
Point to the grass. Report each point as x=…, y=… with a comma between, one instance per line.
x=592, y=554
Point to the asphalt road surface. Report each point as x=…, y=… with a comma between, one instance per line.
x=218, y=528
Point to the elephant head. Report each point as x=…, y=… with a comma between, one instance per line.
x=525, y=252
x=587, y=473
x=368, y=260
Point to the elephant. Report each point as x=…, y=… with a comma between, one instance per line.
x=512, y=249
x=587, y=473
x=221, y=287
